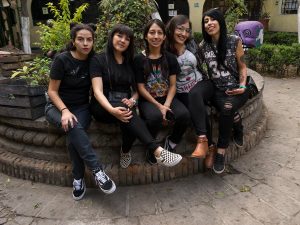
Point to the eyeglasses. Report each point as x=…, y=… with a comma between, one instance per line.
x=181, y=29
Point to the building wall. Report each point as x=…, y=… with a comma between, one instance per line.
x=278, y=21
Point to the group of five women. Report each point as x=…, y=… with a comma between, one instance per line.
x=169, y=84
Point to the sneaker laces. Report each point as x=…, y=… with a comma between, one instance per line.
x=101, y=176
x=77, y=184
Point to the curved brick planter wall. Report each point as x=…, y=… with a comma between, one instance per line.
x=36, y=151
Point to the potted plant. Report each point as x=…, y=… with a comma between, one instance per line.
x=23, y=96
x=264, y=19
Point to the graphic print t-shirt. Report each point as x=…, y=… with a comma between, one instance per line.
x=189, y=75
x=222, y=77
x=155, y=83
x=75, y=79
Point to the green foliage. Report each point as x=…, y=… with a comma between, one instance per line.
x=133, y=13
x=281, y=38
x=236, y=9
x=35, y=72
x=274, y=58
x=56, y=35
x=198, y=37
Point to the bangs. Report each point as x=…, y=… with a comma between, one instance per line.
x=124, y=30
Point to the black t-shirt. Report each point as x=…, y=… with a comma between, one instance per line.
x=75, y=80
x=155, y=83
x=121, y=76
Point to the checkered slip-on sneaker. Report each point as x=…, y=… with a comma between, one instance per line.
x=167, y=158
x=125, y=159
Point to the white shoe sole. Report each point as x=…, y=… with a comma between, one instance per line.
x=81, y=196
x=174, y=163
x=110, y=191
x=218, y=172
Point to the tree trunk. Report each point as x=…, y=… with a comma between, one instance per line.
x=25, y=26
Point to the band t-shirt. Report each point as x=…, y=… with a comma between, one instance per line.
x=121, y=78
x=189, y=75
x=227, y=76
x=155, y=83
x=75, y=80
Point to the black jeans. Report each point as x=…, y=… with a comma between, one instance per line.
x=154, y=117
x=228, y=107
x=136, y=128
x=196, y=101
x=77, y=140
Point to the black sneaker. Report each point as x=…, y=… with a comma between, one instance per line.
x=104, y=182
x=167, y=145
x=238, y=135
x=78, y=189
x=219, y=163
x=150, y=158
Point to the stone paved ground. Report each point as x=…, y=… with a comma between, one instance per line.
x=261, y=187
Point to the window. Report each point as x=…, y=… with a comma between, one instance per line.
x=289, y=6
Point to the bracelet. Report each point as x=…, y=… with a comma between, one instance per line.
x=63, y=109
x=243, y=86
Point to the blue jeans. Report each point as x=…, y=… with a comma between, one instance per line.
x=77, y=140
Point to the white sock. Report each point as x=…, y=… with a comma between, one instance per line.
x=172, y=144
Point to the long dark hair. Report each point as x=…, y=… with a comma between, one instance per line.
x=170, y=30
x=74, y=28
x=222, y=43
x=164, y=62
x=127, y=54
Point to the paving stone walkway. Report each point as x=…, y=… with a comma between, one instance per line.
x=261, y=187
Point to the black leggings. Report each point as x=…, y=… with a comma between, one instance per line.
x=228, y=107
x=136, y=128
x=196, y=101
x=154, y=117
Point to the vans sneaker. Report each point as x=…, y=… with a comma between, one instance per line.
x=167, y=158
x=125, y=159
x=79, y=189
x=104, y=182
x=219, y=163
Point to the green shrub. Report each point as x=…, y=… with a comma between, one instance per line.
x=274, y=58
x=56, y=35
x=133, y=13
x=198, y=37
x=280, y=38
x=35, y=72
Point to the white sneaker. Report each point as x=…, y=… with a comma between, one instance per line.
x=167, y=158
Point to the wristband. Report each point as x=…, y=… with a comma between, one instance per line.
x=243, y=86
x=63, y=109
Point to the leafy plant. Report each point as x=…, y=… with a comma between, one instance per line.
x=198, y=37
x=56, y=34
x=35, y=72
x=281, y=38
x=236, y=9
x=134, y=13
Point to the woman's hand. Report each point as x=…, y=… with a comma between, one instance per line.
x=68, y=120
x=163, y=109
x=129, y=102
x=237, y=91
x=123, y=114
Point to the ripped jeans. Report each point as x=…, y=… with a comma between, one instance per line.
x=229, y=117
